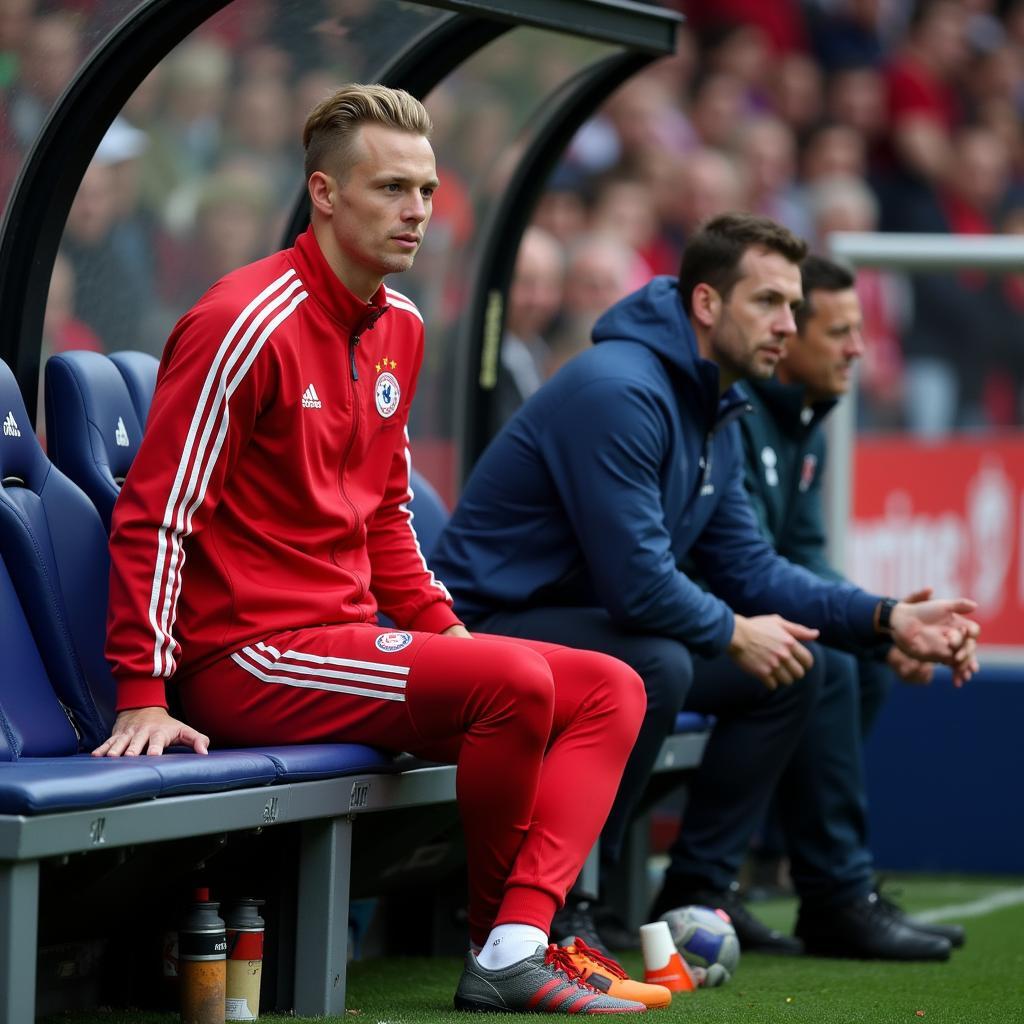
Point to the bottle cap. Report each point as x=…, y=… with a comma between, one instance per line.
x=244, y=914
x=201, y=915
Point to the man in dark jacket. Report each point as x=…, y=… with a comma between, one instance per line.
x=577, y=521
x=821, y=802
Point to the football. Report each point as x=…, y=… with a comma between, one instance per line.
x=705, y=938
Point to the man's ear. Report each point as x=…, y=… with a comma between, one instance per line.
x=706, y=305
x=322, y=190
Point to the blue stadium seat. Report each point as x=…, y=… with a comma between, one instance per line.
x=54, y=546
x=139, y=372
x=428, y=512
x=32, y=722
x=93, y=429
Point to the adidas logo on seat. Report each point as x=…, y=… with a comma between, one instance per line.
x=121, y=434
x=310, y=399
x=11, y=428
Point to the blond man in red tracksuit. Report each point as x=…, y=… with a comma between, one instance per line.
x=265, y=521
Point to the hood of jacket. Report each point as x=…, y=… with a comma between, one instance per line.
x=654, y=317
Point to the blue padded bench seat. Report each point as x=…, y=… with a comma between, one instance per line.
x=693, y=721
x=42, y=785
x=45, y=785
x=309, y=762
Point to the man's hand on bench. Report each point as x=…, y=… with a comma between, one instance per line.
x=149, y=731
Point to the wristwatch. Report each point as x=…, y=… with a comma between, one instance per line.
x=885, y=607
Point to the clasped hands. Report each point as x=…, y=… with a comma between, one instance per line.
x=923, y=630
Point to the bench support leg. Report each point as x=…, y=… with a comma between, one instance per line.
x=321, y=941
x=19, y=910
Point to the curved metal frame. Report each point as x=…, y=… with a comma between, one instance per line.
x=480, y=340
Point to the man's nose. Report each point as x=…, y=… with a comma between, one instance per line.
x=416, y=210
x=855, y=344
x=785, y=324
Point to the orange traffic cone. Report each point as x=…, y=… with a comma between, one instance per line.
x=662, y=963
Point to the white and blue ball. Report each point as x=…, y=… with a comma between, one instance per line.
x=705, y=938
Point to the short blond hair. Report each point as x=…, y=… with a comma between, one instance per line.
x=332, y=124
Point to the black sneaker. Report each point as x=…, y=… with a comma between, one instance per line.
x=754, y=935
x=954, y=932
x=576, y=918
x=866, y=930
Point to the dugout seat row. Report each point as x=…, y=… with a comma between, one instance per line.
x=57, y=699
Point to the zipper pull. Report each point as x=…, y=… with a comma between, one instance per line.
x=707, y=487
x=352, y=342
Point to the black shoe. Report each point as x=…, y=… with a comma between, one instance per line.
x=754, y=935
x=866, y=930
x=954, y=932
x=576, y=918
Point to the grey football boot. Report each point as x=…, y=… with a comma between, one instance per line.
x=546, y=982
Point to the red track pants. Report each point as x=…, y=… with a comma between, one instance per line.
x=540, y=734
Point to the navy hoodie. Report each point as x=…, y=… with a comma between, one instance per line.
x=618, y=471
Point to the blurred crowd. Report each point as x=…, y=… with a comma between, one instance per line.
x=827, y=115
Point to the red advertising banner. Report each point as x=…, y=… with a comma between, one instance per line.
x=949, y=515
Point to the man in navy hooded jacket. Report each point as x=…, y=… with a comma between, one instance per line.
x=585, y=517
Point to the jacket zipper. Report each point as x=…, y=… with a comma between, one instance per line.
x=732, y=413
x=353, y=342
x=368, y=323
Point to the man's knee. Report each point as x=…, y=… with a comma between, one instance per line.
x=801, y=696
x=667, y=673
x=616, y=686
x=522, y=679
x=840, y=674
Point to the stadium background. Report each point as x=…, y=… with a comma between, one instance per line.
x=828, y=115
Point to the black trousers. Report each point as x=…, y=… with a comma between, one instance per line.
x=756, y=734
x=819, y=814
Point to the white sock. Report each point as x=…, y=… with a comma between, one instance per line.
x=508, y=944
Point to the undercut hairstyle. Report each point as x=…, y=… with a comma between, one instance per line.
x=713, y=254
x=820, y=275
x=331, y=128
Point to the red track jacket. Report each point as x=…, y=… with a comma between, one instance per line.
x=270, y=491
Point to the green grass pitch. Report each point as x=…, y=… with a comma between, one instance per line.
x=982, y=984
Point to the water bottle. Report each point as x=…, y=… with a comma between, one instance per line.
x=245, y=959
x=202, y=962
